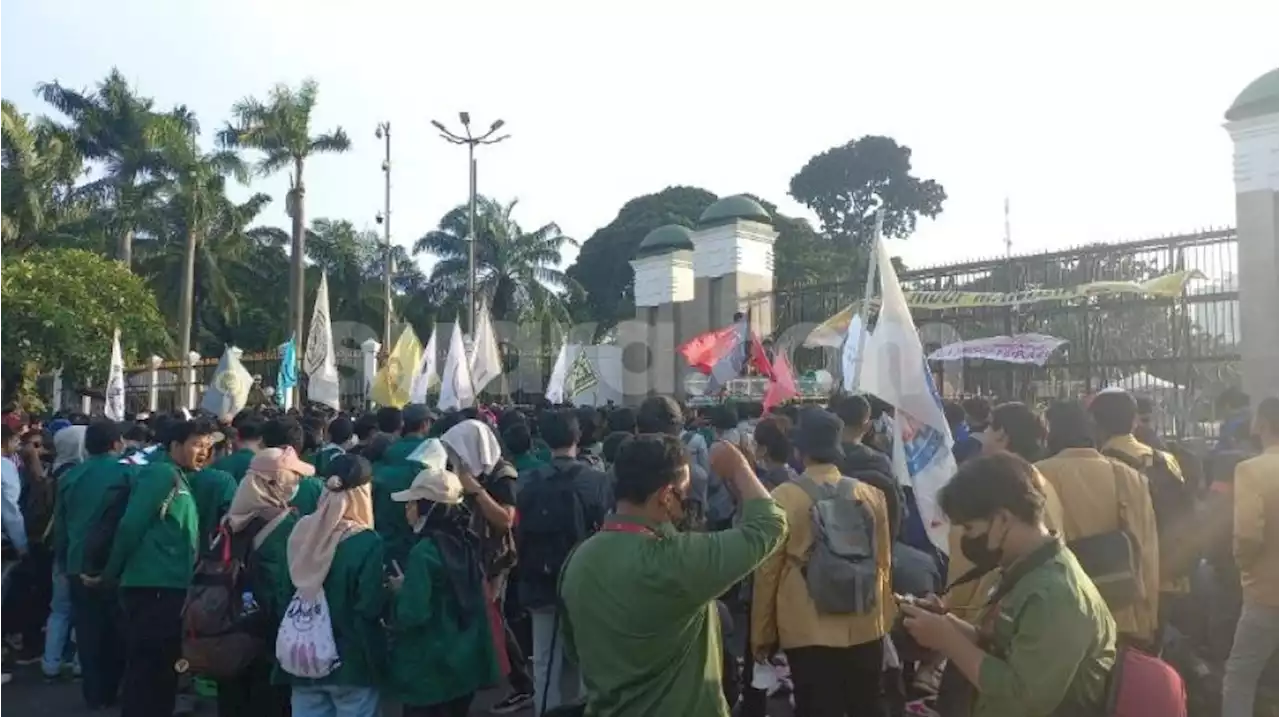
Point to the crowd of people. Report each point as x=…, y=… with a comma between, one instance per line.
x=638, y=561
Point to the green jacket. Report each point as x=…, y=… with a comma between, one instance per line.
x=213, y=490
x=269, y=569
x=235, y=463
x=356, y=594
x=156, y=542
x=436, y=655
x=307, y=497
x=1051, y=642
x=390, y=475
x=82, y=494
x=641, y=617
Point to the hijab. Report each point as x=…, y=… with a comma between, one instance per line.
x=266, y=490
x=474, y=444
x=341, y=513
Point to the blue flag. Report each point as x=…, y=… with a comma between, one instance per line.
x=287, y=377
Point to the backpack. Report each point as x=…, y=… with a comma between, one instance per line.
x=223, y=628
x=552, y=521
x=102, y=534
x=1174, y=504
x=841, y=568
x=1142, y=685
x=1113, y=559
x=304, y=645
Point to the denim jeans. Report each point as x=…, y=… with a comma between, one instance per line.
x=565, y=685
x=1256, y=638
x=57, y=631
x=335, y=701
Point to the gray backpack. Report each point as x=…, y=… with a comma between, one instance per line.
x=841, y=570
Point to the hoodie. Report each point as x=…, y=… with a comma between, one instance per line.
x=873, y=468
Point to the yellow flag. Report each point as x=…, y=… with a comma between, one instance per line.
x=393, y=382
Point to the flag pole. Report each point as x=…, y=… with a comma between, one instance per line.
x=868, y=292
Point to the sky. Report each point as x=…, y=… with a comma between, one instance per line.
x=1099, y=124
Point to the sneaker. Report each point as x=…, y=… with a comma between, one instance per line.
x=513, y=702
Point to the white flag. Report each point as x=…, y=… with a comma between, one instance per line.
x=115, y=381
x=228, y=392
x=900, y=376
x=426, y=374
x=486, y=362
x=456, y=389
x=559, y=375
x=319, y=360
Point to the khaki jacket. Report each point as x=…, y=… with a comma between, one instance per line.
x=782, y=613
x=1087, y=484
x=1254, y=540
x=967, y=601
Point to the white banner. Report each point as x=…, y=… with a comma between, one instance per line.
x=1019, y=348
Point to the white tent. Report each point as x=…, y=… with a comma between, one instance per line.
x=1143, y=382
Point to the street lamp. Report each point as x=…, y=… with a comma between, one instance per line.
x=384, y=218
x=471, y=141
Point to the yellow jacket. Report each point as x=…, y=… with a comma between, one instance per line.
x=1142, y=453
x=782, y=613
x=1086, y=482
x=966, y=601
x=1257, y=493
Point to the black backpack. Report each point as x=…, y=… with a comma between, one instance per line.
x=553, y=520
x=1174, y=504
x=223, y=628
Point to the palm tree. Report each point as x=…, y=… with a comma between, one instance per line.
x=41, y=203
x=516, y=271
x=115, y=126
x=352, y=259
x=281, y=129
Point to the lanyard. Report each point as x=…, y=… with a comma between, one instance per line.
x=617, y=526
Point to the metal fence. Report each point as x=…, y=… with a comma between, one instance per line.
x=1182, y=352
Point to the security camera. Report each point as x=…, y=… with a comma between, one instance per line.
x=378, y=132
x=378, y=218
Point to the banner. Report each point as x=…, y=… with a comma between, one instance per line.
x=228, y=392
x=831, y=332
x=392, y=383
x=1019, y=348
x=319, y=361
x=582, y=375
x=456, y=389
x=486, y=362
x=114, y=408
x=425, y=375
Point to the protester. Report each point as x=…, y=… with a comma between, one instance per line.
x=213, y=490
x=662, y=415
x=336, y=551
x=560, y=506
x=152, y=560
x=590, y=442
x=867, y=464
x=393, y=473
x=248, y=441
x=1257, y=502
x=285, y=432
x=639, y=597
x=518, y=440
x=442, y=648
x=1145, y=430
x=390, y=420
x=15, y=528
x=836, y=657
x=1100, y=495
x=1015, y=428
x=260, y=514
x=977, y=413
x=1045, y=642
x=95, y=614
x=966, y=442
x=339, y=432
x=773, y=451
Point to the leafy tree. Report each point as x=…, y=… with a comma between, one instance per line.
x=61, y=308
x=516, y=274
x=603, y=269
x=281, y=129
x=124, y=132
x=41, y=204
x=845, y=185
x=353, y=259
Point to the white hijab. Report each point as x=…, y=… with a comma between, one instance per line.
x=475, y=445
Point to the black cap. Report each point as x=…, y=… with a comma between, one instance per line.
x=817, y=435
x=417, y=413
x=354, y=471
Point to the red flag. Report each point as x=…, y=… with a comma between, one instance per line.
x=704, y=351
x=723, y=354
x=782, y=383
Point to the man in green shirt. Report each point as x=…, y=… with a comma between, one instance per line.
x=640, y=614
x=83, y=492
x=152, y=561
x=1045, y=642
x=394, y=473
x=248, y=442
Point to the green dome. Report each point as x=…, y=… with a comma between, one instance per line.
x=738, y=206
x=1261, y=97
x=664, y=240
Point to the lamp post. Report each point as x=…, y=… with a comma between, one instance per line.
x=471, y=141
x=384, y=218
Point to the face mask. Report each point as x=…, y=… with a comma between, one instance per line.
x=977, y=550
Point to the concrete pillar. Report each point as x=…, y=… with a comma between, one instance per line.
x=193, y=391
x=369, y=365
x=56, y=399
x=1253, y=122
x=86, y=404
x=153, y=383
x=664, y=284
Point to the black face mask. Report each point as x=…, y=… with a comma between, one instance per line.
x=976, y=549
